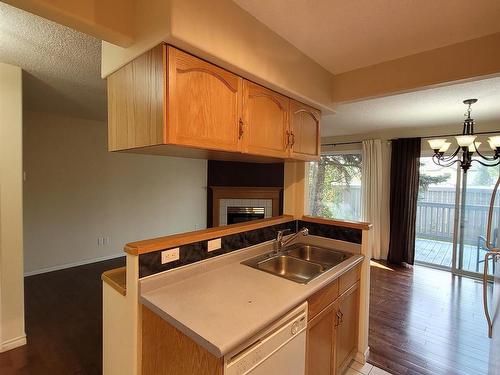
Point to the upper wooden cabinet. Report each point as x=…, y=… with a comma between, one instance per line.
x=265, y=121
x=169, y=102
x=203, y=105
x=304, y=131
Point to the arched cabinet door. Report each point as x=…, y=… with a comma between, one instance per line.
x=204, y=103
x=304, y=131
x=265, y=121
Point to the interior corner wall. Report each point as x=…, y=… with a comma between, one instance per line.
x=11, y=210
x=76, y=192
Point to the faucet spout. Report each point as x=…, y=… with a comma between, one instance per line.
x=280, y=243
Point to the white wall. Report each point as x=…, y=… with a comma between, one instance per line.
x=75, y=191
x=11, y=209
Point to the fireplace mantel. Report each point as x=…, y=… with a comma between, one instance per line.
x=260, y=193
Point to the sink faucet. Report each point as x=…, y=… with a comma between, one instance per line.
x=280, y=243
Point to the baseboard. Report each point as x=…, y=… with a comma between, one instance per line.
x=12, y=343
x=361, y=357
x=75, y=264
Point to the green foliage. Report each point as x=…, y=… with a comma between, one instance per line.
x=485, y=176
x=426, y=180
x=331, y=171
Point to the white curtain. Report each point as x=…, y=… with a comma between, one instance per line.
x=375, y=194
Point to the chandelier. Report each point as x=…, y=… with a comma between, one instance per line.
x=467, y=145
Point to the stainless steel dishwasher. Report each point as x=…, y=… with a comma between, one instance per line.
x=279, y=349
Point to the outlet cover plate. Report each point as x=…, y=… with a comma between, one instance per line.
x=170, y=255
x=215, y=244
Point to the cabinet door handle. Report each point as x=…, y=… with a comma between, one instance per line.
x=241, y=129
x=293, y=139
x=340, y=318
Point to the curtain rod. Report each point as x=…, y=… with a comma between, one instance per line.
x=341, y=143
x=428, y=137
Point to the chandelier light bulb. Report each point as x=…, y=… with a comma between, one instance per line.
x=474, y=146
x=494, y=141
x=436, y=144
x=465, y=140
x=445, y=147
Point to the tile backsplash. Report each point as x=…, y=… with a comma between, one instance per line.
x=150, y=263
x=332, y=231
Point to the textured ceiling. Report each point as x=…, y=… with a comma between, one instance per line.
x=344, y=35
x=61, y=66
x=425, y=108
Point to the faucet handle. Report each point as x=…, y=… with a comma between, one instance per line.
x=282, y=232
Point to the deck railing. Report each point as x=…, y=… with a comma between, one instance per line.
x=436, y=215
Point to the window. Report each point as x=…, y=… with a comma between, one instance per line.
x=335, y=186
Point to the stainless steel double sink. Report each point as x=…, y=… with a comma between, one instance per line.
x=298, y=262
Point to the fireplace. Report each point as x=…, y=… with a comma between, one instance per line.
x=241, y=214
x=233, y=205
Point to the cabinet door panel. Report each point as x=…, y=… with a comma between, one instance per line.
x=265, y=116
x=305, y=130
x=347, y=329
x=320, y=342
x=204, y=103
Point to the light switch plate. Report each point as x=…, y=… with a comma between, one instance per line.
x=214, y=244
x=170, y=255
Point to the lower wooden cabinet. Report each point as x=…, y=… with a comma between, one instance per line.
x=346, y=336
x=320, y=342
x=332, y=334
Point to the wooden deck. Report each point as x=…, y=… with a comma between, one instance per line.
x=439, y=253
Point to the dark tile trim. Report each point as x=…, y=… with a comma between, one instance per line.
x=332, y=231
x=150, y=263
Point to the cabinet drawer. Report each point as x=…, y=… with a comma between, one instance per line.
x=322, y=298
x=348, y=279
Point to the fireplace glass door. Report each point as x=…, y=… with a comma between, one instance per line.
x=241, y=214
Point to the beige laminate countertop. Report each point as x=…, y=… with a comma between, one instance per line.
x=220, y=303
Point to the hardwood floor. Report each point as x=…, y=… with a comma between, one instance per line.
x=63, y=323
x=426, y=321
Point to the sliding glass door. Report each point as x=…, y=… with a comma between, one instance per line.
x=474, y=200
x=452, y=215
x=436, y=214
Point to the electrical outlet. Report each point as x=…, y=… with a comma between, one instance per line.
x=170, y=255
x=214, y=244
x=102, y=241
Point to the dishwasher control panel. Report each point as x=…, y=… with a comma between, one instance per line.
x=278, y=337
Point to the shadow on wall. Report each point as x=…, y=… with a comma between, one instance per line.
x=64, y=97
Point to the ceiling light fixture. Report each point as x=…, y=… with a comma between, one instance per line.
x=467, y=144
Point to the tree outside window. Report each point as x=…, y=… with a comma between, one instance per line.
x=335, y=186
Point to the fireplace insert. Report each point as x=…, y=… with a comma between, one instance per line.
x=241, y=214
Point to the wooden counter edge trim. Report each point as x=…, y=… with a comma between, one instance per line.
x=175, y=240
x=117, y=279
x=339, y=223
